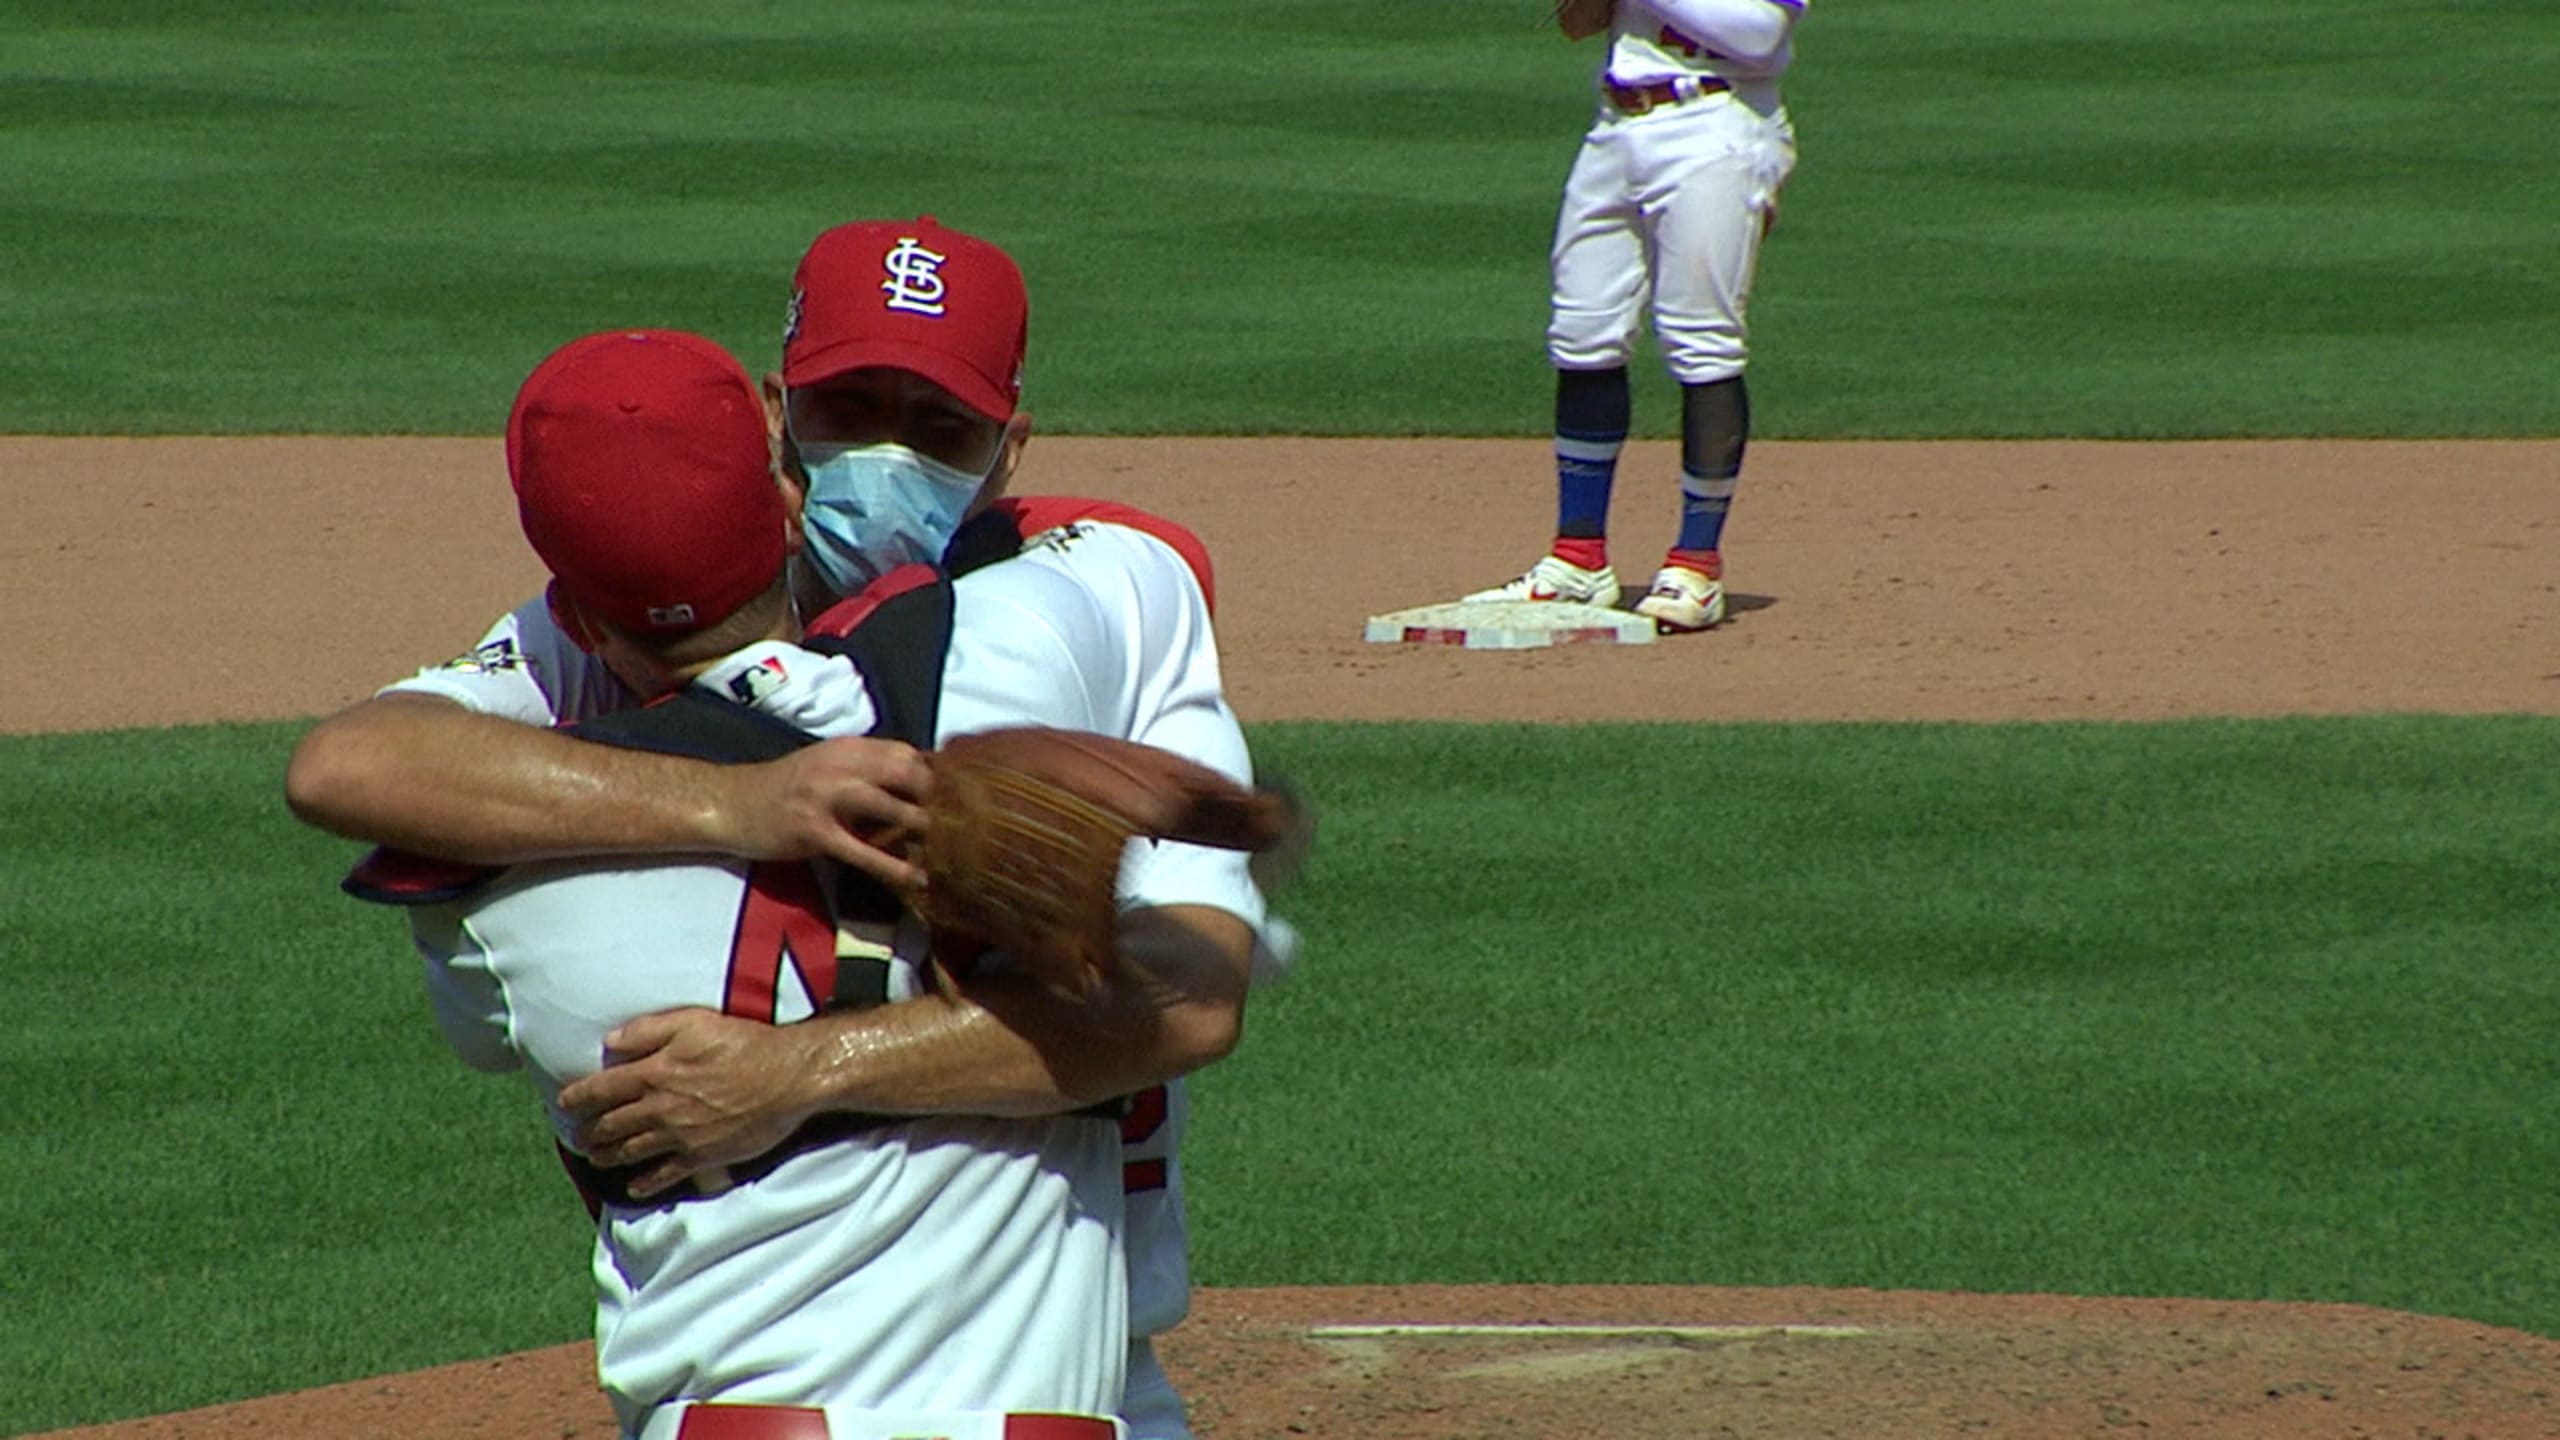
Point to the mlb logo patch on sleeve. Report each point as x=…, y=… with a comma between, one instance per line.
x=758, y=681
x=492, y=658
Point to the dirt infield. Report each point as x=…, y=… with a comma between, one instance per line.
x=274, y=578
x=271, y=578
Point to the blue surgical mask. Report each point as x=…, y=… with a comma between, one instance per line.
x=873, y=508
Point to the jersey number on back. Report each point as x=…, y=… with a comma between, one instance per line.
x=782, y=917
x=1148, y=1110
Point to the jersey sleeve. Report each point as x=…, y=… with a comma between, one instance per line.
x=1746, y=38
x=822, y=694
x=526, y=669
x=465, y=996
x=1105, y=627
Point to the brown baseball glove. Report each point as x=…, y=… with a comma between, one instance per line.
x=1579, y=19
x=1025, y=832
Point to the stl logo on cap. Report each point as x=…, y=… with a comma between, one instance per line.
x=791, y=315
x=912, y=295
x=915, y=277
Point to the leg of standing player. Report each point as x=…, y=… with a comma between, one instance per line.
x=1600, y=282
x=1721, y=164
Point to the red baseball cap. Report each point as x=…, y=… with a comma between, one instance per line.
x=644, y=479
x=912, y=295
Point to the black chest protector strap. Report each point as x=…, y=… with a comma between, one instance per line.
x=900, y=649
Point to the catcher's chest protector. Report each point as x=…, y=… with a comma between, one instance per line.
x=898, y=643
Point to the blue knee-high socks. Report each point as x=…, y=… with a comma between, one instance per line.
x=1715, y=422
x=1591, y=428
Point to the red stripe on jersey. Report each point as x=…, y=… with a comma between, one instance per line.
x=723, y=1421
x=587, y=1194
x=1057, y=1427
x=752, y=1422
x=1035, y=513
x=840, y=618
x=782, y=915
x=1146, y=1115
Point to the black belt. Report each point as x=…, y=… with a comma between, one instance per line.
x=1637, y=99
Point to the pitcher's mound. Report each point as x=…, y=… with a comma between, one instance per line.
x=1660, y=1362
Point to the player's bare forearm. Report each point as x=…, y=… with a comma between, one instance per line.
x=428, y=775
x=1000, y=1044
x=1173, y=1002
x=938, y=1055
x=691, y=1089
x=696, y=1088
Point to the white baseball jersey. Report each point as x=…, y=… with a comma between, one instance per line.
x=1735, y=40
x=948, y=1263
x=1095, y=626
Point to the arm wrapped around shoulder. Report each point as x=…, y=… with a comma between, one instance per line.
x=1025, y=830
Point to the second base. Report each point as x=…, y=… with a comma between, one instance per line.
x=1510, y=625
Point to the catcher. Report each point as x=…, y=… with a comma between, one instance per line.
x=757, y=1294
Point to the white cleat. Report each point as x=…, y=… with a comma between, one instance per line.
x=1555, y=579
x=1683, y=600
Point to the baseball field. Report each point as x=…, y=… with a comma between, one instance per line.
x=2074, y=953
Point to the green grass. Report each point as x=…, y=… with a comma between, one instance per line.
x=249, y=1162
x=2213, y=1009
x=2205, y=1009
x=2217, y=1008
x=2117, y=218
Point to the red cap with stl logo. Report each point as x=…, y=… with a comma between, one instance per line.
x=644, y=479
x=910, y=295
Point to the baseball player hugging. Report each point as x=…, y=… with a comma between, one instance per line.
x=933, y=1271
x=921, y=1256
x=1674, y=188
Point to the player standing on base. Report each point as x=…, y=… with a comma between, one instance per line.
x=1674, y=188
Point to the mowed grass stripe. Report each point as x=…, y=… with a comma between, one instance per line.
x=2144, y=218
x=2224, y=1009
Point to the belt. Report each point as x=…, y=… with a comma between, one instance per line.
x=806, y=1422
x=1637, y=99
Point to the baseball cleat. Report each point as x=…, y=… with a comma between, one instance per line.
x=1555, y=579
x=1683, y=600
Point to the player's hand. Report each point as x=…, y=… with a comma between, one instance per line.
x=856, y=801
x=691, y=1090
